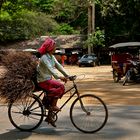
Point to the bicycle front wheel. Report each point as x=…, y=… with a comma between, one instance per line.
x=89, y=115
x=26, y=115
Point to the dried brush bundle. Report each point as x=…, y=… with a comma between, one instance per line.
x=17, y=81
x=1, y=55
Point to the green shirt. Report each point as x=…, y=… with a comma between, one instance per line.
x=47, y=68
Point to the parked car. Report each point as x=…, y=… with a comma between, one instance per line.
x=88, y=60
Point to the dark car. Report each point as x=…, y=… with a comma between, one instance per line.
x=88, y=60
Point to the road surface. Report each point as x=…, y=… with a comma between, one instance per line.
x=122, y=102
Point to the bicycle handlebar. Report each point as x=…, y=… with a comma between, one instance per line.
x=72, y=78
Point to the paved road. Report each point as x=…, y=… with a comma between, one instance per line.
x=123, y=124
x=123, y=105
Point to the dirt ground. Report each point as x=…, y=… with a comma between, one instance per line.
x=99, y=81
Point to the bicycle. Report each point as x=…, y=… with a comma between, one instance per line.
x=88, y=113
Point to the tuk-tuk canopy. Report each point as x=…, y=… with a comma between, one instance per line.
x=129, y=45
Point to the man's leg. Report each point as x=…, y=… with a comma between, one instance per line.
x=50, y=118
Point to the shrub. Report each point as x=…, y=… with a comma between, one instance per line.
x=66, y=29
x=25, y=25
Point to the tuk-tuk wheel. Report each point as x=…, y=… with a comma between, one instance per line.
x=115, y=76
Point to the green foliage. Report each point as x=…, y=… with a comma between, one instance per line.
x=96, y=39
x=23, y=19
x=45, y=6
x=121, y=20
x=25, y=25
x=73, y=12
x=13, y=6
x=19, y=23
x=66, y=29
x=4, y=15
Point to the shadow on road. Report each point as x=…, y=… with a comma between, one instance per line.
x=123, y=124
x=14, y=134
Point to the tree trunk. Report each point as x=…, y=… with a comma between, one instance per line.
x=1, y=2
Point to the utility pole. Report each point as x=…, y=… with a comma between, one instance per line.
x=91, y=21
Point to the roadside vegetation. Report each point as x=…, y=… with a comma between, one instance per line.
x=27, y=19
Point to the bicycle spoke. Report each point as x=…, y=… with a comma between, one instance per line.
x=89, y=117
x=26, y=115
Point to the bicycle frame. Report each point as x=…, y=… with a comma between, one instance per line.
x=34, y=107
x=74, y=93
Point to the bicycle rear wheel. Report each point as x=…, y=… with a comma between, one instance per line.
x=92, y=116
x=26, y=115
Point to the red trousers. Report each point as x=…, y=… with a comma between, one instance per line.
x=54, y=88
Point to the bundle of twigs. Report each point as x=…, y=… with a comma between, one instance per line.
x=17, y=81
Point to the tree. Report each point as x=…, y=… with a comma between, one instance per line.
x=1, y=3
x=96, y=41
x=121, y=20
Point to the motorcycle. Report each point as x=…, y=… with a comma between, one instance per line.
x=133, y=73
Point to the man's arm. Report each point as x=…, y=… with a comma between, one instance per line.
x=60, y=67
